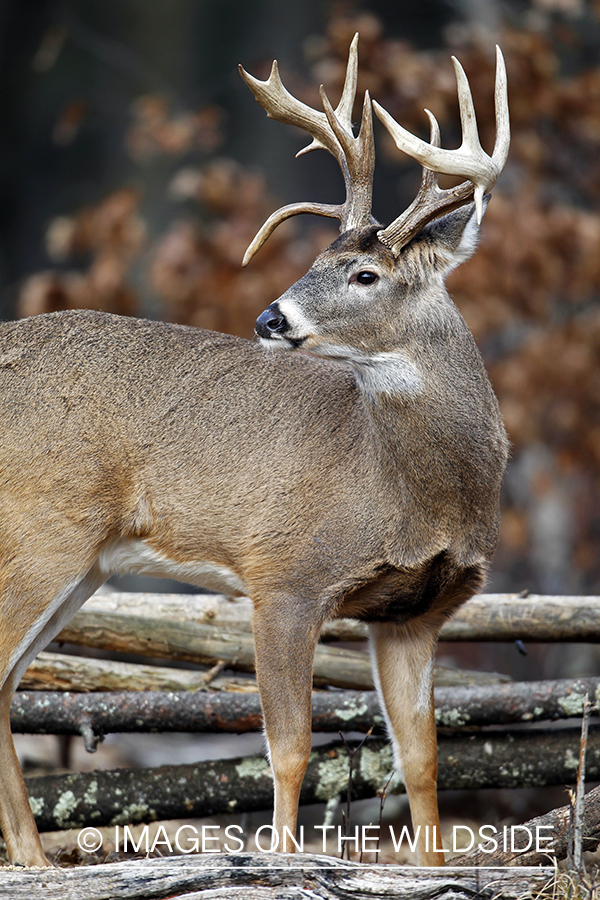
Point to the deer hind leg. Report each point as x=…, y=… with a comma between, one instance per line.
x=402, y=657
x=285, y=648
x=28, y=627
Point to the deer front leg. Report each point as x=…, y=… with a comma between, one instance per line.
x=285, y=647
x=30, y=625
x=402, y=657
x=16, y=818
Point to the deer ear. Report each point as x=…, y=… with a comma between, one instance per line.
x=454, y=238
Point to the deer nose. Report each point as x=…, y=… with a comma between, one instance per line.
x=270, y=322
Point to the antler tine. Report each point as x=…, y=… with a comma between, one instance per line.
x=331, y=130
x=502, y=143
x=470, y=160
x=343, y=111
x=428, y=203
x=286, y=212
x=280, y=105
x=359, y=158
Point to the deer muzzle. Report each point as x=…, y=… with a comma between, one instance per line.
x=271, y=323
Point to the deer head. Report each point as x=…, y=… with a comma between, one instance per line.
x=368, y=267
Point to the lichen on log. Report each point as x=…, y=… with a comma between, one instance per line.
x=94, y=715
x=537, y=757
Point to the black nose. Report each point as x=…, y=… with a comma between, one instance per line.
x=271, y=322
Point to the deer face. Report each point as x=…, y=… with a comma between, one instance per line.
x=360, y=301
x=343, y=298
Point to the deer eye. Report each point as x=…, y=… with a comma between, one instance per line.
x=367, y=277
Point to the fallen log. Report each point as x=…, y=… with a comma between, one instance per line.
x=555, y=822
x=507, y=704
x=95, y=715
x=202, y=644
x=535, y=618
x=205, y=644
x=204, y=609
x=486, y=617
x=65, y=672
x=531, y=758
x=241, y=876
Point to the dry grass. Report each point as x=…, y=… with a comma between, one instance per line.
x=569, y=884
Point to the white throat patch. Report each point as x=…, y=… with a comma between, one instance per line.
x=390, y=373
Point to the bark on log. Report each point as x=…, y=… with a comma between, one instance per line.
x=207, y=645
x=534, y=758
x=256, y=876
x=486, y=617
x=94, y=715
x=510, y=617
x=202, y=644
x=64, y=672
x=507, y=704
x=556, y=822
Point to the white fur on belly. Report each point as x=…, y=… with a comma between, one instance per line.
x=130, y=555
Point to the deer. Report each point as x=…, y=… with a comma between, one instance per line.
x=346, y=464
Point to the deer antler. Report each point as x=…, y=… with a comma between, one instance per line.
x=332, y=131
x=469, y=160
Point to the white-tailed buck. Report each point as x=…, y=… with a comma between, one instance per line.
x=359, y=479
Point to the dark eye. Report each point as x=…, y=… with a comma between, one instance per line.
x=367, y=277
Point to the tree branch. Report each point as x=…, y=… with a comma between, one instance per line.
x=502, y=759
x=34, y=712
x=556, y=822
x=485, y=617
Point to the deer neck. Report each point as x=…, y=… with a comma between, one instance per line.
x=439, y=443
x=387, y=376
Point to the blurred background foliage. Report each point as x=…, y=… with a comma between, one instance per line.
x=136, y=168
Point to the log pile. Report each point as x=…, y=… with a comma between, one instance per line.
x=207, y=630
x=69, y=694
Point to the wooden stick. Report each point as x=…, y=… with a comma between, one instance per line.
x=505, y=704
x=510, y=617
x=103, y=713
x=486, y=617
x=501, y=759
x=208, y=645
x=244, y=876
x=555, y=823
x=64, y=672
x=578, y=810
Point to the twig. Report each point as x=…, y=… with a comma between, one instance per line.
x=381, y=805
x=216, y=670
x=360, y=858
x=580, y=788
x=346, y=818
x=571, y=830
